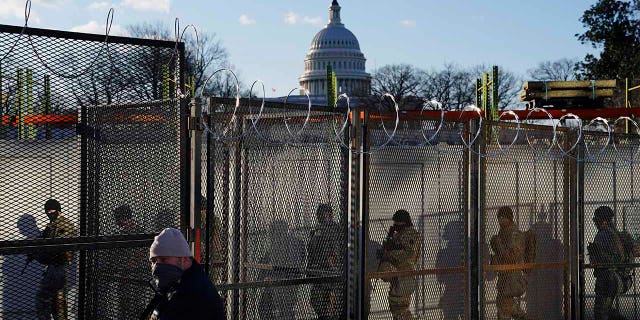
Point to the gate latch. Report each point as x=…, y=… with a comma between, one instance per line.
x=195, y=124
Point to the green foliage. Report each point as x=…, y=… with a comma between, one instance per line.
x=612, y=26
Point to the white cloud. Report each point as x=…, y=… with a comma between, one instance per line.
x=245, y=20
x=97, y=28
x=294, y=18
x=101, y=5
x=408, y=23
x=16, y=8
x=151, y=5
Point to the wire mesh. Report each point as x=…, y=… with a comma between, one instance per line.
x=71, y=129
x=281, y=207
x=430, y=185
x=532, y=190
x=610, y=181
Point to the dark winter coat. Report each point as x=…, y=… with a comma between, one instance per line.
x=195, y=298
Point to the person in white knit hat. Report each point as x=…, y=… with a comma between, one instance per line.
x=183, y=290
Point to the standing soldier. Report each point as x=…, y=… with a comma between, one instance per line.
x=509, y=248
x=400, y=252
x=130, y=269
x=216, y=248
x=609, y=247
x=324, y=259
x=51, y=298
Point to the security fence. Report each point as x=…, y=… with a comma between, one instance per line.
x=290, y=207
x=269, y=170
x=91, y=121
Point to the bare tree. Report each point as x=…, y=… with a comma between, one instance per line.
x=203, y=56
x=452, y=86
x=562, y=70
x=402, y=81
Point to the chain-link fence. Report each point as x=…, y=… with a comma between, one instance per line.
x=277, y=197
x=90, y=122
x=296, y=211
x=516, y=188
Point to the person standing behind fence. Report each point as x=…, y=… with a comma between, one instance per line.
x=130, y=269
x=324, y=259
x=216, y=246
x=183, y=289
x=609, y=247
x=51, y=299
x=509, y=248
x=283, y=260
x=400, y=252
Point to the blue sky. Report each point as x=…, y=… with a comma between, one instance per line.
x=268, y=39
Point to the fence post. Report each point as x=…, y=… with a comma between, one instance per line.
x=475, y=198
x=577, y=255
x=363, y=212
x=195, y=174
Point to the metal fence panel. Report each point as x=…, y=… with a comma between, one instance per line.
x=62, y=136
x=532, y=188
x=609, y=180
x=430, y=183
x=270, y=197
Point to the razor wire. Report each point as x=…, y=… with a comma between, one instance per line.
x=563, y=142
x=173, y=59
x=392, y=138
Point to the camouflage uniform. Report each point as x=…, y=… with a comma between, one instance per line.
x=509, y=248
x=607, y=248
x=324, y=256
x=51, y=298
x=401, y=251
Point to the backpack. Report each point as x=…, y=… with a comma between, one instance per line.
x=626, y=273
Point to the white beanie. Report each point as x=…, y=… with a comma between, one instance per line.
x=170, y=243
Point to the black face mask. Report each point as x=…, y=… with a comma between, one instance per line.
x=166, y=276
x=53, y=215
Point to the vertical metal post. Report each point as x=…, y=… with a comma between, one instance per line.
x=84, y=211
x=185, y=171
x=363, y=207
x=354, y=172
x=239, y=194
x=475, y=198
x=577, y=233
x=345, y=199
x=195, y=178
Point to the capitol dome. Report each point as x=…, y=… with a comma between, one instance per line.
x=335, y=45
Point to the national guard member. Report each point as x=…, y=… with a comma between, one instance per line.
x=216, y=245
x=400, y=252
x=130, y=269
x=509, y=248
x=324, y=259
x=609, y=247
x=51, y=298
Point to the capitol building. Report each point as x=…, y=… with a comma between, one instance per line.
x=337, y=47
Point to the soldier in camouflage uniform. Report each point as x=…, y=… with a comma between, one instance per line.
x=324, y=259
x=51, y=298
x=401, y=250
x=131, y=271
x=609, y=246
x=216, y=253
x=509, y=248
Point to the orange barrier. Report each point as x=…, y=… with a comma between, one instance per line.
x=393, y=274
x=41, y=119
x=71, y=119
x=526, y=266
